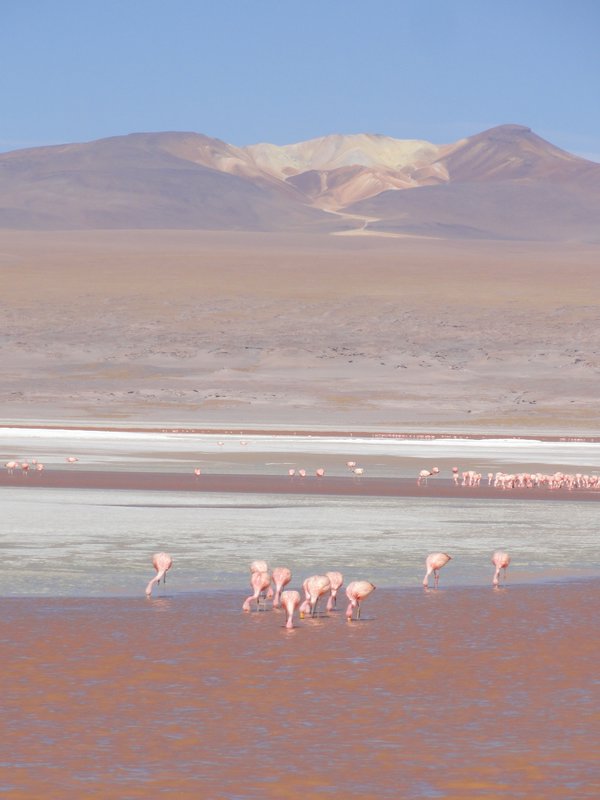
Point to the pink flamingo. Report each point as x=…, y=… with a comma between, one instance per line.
x=423, y=475
x=261, y=566
x=162, y=562
x=25, y=468
x=320, y=473
x=314, y=587
x=260, y=582
x=71, y=459
x=10, y=466
x=290, y=600
x=291, y=472
x=355, y=592
x=433, y=563
x=350, y=464
x=281, y=577
x=302, y=473
x=197, y=472
x=336, y=579
x=500, y=560
x=39, y=467
x=358, y=471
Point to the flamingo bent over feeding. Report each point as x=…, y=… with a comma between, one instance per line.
x=260, y=581
x=336, y=579
x=162, y=562
x=355, y=592
x=281, y=577
x=433, y=563
x=314, y=587
x=290, y=600
x=500, y=560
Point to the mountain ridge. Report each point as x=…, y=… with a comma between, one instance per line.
x=189, y=180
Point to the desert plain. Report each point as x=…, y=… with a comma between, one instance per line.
x=382, y=332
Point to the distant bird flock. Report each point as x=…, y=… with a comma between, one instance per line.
x=468, y=478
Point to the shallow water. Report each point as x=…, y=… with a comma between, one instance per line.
x=463, y=692
x=459, y=693
x=100, y=542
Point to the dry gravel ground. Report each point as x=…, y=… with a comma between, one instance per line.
x=218, y=328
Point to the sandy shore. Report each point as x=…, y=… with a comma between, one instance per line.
x=460, y=693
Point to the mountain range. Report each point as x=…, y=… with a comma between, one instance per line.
x=503, y=183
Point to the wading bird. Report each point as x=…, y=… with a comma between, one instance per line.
x=336, y=579
x=314, y=588
x=500, y=560
x=433, y=563
x=290, y=600
x=260, y=582
x=355, y=592
x=162, y=562
x=281, y=577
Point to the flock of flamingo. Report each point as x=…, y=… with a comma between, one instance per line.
x=471, y=478
x=270, y=585
x=34, y=465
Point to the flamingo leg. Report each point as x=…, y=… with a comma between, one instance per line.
x=358, y=611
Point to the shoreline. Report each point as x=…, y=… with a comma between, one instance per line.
x=234, y=593
x=281, y=484
x=299, y=431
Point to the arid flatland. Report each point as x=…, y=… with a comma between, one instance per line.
x=219, y=327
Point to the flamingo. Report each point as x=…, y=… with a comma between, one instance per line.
x=25, y=468
x=291, y=472
x=500, y=560
x=260, y=581
x=261, y=566
x=358, y=471
x=320, y=473
x=302, y=473
x=39, y=467
x=71, y=459
x=281, y=577
x=355, y=592
x=433, y=563
x=10, y=466
x=350, y=464
x=423, y=475
x=162, y=562
x=197, y=472
x=290, y=600
x=314, y=587
x=336, y=579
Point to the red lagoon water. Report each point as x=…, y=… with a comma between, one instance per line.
x=459, y=693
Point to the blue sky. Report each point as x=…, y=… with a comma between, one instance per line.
x=248, y=71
